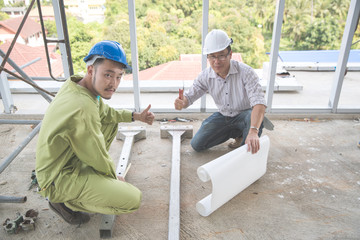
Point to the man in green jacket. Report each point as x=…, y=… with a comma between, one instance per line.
x=73, y=167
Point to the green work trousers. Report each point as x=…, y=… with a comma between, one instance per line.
x=92, y=191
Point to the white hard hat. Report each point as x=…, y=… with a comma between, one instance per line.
x=216, y=41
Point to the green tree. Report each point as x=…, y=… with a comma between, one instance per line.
x=166, y=53
x=46, y=3
x=78, y=51
x=114, y=8
x=322, y=8
x=149, y=44
x=50, y=27
x=187, y=46
x=3, y=16
x=339, y=8
x=322, y=34
x=119, y=31
x=168, y=28
x=80, y=37
x=188, y=6
x=296, y=17
x=247, y=38
x=18, y=4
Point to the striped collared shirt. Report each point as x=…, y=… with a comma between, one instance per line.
x=240, y=90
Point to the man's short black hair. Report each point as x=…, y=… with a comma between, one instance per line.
x=100, y=60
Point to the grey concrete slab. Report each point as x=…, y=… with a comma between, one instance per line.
x=311, y=189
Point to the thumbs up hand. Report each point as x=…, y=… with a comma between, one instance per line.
x=145, y=116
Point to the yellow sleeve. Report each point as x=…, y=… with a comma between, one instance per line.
x=110, y=115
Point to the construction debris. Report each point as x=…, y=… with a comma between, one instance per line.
x=21, y=222
x=177, y=119
x=307, y=120
x=34, y=181
x=13, y=226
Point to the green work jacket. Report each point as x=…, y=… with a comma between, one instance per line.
x=70, y=138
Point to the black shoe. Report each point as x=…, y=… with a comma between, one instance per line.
x=68, y=215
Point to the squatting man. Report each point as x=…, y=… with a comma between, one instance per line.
x=74, y=169
x=236, y=91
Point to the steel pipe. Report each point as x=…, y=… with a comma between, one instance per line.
x=7, y=199
x=13, y=155
x=12, y=121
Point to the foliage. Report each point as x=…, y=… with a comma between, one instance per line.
x=3, y=16
x=46, y=3
x=18, y=4
x=50, y=27
x=321, y=34
x=80, y=37
x=314, y=25
x=167, y=28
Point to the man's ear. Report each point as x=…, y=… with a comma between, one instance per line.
x=90, y=69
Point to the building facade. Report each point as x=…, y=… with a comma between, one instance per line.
x=14, y=12
x=87, y=10
x=30, y=34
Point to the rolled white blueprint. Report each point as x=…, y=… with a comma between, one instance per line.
x=230, y=174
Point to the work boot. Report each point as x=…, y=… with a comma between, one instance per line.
x=75, y=218
x=236, y=143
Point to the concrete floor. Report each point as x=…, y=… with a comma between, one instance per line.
x=311, y=189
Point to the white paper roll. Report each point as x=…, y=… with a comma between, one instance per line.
x=230, y=174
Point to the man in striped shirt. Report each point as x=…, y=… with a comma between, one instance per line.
x=237, y=93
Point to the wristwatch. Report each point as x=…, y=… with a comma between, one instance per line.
x=257, y=129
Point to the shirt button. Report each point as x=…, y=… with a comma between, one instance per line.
x=226, y=93
x=228, y=104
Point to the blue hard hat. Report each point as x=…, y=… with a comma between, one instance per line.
x=110, y=50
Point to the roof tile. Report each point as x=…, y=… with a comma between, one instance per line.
x=22, y=54
x=187, y=68
x=30, y=27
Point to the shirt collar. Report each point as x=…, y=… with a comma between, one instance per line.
x=76, y=78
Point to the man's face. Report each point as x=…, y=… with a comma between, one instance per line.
x=106, y=78
x=220, y=62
